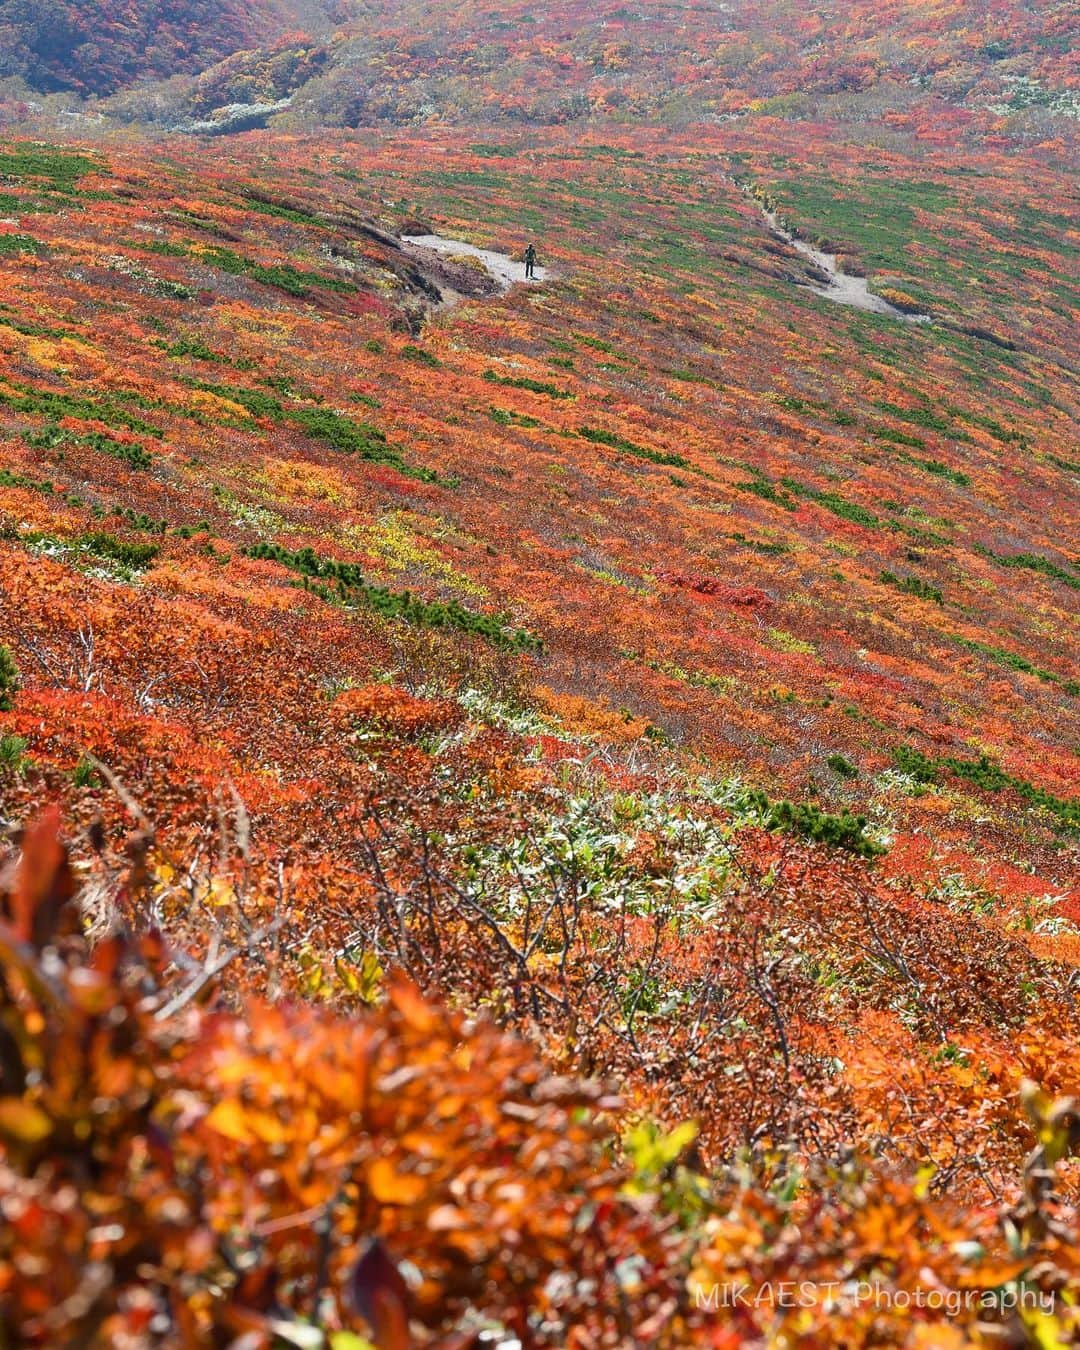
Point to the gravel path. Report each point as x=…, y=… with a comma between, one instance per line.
x=505, y=270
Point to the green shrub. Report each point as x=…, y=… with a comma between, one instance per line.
x=1033, y=562
x=523, y=382
x=421, y=355
x=283, y=276
x=915, y=764
x=597, y=344
x=136, y=556
x=598, y=436
x=921, y=417
x=983, y=773
x=884, y=433
x=12, y=755
x=761, y=487
x=55, y=407
x=505, y=417
x=335, y=429
x=1013, y=660
x=842, y=830
x=352, y=585
x=841, y=766
x=62, y=168
x=940, y=470
x=84, y=774
x=833, y=502
x=130, y=453
x=914, y=586
x=18, y=243
x=22, y=480
x=197, y=348
x=279, y=209
x=9, y=679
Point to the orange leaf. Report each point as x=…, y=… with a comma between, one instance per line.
x=391, y=1187
x=23, y=1121
x=230, y=1119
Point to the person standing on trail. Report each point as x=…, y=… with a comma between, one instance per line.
x=530, y=262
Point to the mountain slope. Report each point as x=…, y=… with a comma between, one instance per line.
x=98, y=46
x=429, y=60
x=670, y=671
x=777, y=532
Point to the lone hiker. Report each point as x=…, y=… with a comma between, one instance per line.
x=530, y=262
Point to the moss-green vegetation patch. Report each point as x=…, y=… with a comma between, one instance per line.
x=506, y=417
x=420, y=355
x=914, y=586
x=525, y=382
x=832, y=501
x=809, y=407
x=598, y=436
x=9, y=679
x=761, y=487
x=122, y=551
x=282, y=210
x=338, y=430
x=920, y=417
x=30, y=329
x=56, y=406
x=985, y=774
x=1014, y=661
x=840, y=830
x=884, y=433
x=939, y=470
x=11, y=244
x=283, y=276
x=125, y=558
x=350, y=585
x=194, y=348
x=62, y=169
x=128, y=452
x=1033, y=562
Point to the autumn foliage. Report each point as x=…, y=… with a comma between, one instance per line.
x=524, y=808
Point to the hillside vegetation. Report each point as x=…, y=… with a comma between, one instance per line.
x=526, y=809
x=99, y=46
x=351, y=64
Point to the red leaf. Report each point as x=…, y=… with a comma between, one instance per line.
x=44, y=882
x=381, y=1297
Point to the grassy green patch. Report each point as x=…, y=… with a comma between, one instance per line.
x=60, y=168
x=349, y=584
x=914, y=586
x=832, y=501
x=283, y=276
x=9, y=679
x=323, y=424
x=420, y=355
x=506, y=417
x=842, y=767
x=1033, y=562
x=194, y=347
x=598, y=436
x=939, y=470
x=524, y=382
x=11, y=244
x=1014, y=661
x=769, y=492
x=129, y=453
x=842, y=830
x=54, y=406
x=122, y=551
x=985, y=774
